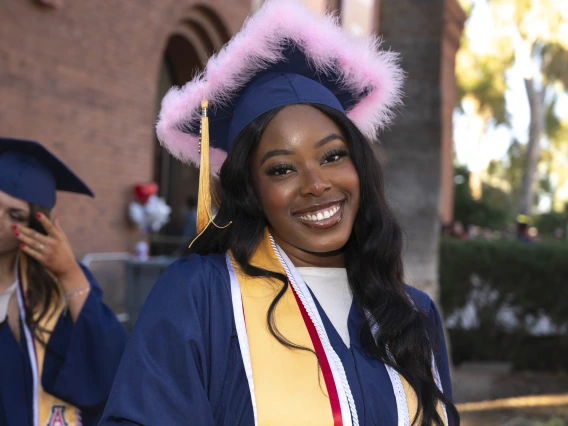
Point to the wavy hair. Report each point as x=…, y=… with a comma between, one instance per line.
x=43, y=292
x=373, y=259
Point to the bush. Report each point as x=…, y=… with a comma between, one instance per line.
x=506, y=301
x=547, y=223
x=494, y=210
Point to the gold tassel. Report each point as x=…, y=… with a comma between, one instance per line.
x=204, y=215
x=204, y=196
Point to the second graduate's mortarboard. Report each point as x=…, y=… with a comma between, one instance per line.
x=30, y=172
x=283, y=55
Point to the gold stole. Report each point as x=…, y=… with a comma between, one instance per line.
x=287, y=387
x=412, y=404
x=51, y=408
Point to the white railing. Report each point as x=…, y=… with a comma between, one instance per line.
x=105, y=257
x=89, y=258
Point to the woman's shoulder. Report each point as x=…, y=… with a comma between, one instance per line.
x=192, y=282
x=421, y=299
x=195, y=270
x=436, y=333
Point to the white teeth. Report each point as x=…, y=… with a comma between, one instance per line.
x=326, y=214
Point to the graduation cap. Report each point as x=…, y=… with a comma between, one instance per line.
x=283, y=55
x=30, y=172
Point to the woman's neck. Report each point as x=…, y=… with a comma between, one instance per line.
x=301, y=258
x=7, y=269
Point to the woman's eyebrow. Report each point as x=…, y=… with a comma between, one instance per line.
x=17, y=210
x=327, y=139
x=274, y=153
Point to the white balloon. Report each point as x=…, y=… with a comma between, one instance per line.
x=151, y=216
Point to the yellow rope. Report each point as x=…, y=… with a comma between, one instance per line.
x=204, y=216
x=204, y=197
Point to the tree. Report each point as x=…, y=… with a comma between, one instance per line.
x=412, y=147
x=481, y=93
x=555, y=156
x=537, y=31
x=532, y=34
x=509, y=169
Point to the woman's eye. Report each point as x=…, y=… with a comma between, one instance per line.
x=334, y=156
x=280, y=170
x=17, y=218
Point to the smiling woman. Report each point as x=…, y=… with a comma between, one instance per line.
x=291, y=307
x=307, y=185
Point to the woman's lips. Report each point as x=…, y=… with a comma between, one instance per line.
x=324, y=218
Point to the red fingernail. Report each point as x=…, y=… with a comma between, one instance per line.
x=38, y=215
x=17, y=234
x=14, y=226
x=22, y=245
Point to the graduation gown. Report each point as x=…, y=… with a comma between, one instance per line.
x=183, y=365
x=80, y=362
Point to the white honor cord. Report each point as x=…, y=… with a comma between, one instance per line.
x=396, y=382
x=402, y=408
x=434, y=371
x=31, y=354
x=346, y=401
x=439, y=384
x=239, y=316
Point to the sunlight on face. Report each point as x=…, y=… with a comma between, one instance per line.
x=307, y=184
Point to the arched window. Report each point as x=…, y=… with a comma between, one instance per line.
x=198, y=35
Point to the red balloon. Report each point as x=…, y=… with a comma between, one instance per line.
x=144, y=191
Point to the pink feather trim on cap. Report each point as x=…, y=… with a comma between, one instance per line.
x=358, y=63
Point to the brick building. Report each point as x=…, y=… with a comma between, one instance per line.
x=85, y=78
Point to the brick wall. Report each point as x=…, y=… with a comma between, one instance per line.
x=82, y=80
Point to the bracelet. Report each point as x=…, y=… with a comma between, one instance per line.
x=77, y=293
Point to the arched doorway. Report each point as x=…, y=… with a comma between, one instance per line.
x=198, y=35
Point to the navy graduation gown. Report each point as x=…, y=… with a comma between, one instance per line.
x=183, y=366
x=80, y=362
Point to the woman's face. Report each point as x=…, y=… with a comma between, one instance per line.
x=307, y=185
x=13, y=211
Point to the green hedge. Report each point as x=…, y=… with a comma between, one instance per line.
x=497, y=277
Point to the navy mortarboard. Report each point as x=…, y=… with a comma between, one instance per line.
x=283, y=55
x=30, y=172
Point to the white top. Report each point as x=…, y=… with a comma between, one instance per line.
x=4, y=299
x=331, y=288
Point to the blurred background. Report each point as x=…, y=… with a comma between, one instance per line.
x=476, y=163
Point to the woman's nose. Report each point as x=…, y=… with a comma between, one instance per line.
x=314, y=182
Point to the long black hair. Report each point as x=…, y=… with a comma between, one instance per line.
x=373, y=258
x=43, y=293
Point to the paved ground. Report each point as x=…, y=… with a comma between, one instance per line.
x=483, y=382
x=543, y=416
